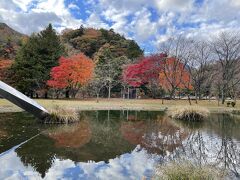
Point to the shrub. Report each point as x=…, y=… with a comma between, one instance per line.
x=228, y=103
x=233, y=104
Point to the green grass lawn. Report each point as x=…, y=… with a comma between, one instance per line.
x=118, y=104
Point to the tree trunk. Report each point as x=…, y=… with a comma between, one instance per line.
x=97, y=97
x=31, y=94
x=109, y=92
x=196, y=96
x=136, y=94
x=124, y=92
x=189, y=100
x=46, y=95
x=128, y=92
x=223, y=98
x=121, y=93
x=67, y=94
x=172, y=93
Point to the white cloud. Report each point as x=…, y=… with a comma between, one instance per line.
x=146, y=21
x=17, y=14
x=235, y=3
x=23, y=4
x=174, y=5
x=125, y=5
x=143, y=27
x=28, y=22
x=73, y=6
x=55, y=6
x=95, y=21
x=8, y=5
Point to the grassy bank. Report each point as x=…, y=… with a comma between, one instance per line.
x=189, y=113
x=118, y=104
x=188, y=171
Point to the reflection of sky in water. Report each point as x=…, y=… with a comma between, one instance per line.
x=134, y=165
x=214, y=143
x=200, y=147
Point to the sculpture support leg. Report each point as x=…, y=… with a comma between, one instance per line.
x=22, y=101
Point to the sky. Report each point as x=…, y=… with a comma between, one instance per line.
x=149, y=22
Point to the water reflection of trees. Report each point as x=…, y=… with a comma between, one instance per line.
x=94, y=138
x=103, y=135
x=106, y=142
x=228, y=154
x=57, y=141
x=38, y=153
x=72, y=136
x=213, y=144
x=157, y=134
x=215, y=141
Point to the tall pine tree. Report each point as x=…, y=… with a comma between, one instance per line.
x=35, y=59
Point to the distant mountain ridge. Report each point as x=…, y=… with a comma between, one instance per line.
x=10, y=40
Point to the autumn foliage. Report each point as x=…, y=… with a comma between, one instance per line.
x=72, y=72
x=173, y=74
x=4, y=68
x=158, y=70
x=145, y=70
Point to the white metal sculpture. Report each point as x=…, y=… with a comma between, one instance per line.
x=22, y=101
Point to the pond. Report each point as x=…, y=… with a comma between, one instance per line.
x=114, y=145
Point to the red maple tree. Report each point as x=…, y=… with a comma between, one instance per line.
x=144, y=71
x=72, y=72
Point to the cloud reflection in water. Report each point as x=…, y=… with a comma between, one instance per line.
x=132, y=165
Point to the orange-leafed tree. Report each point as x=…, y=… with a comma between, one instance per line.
x=174, y=76
x=5, y=66
x=71, y=74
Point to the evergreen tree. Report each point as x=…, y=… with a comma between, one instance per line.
x=26, y=68
x=35, y=59
x=50, y=49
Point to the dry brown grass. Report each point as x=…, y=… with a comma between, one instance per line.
x=189, y=113
x=119, y=104
x=62, y=116
x=188, y=171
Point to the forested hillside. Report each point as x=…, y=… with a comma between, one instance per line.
x=10, y=40
x=91, y=42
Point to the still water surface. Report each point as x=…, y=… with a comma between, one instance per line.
x=114, y=145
